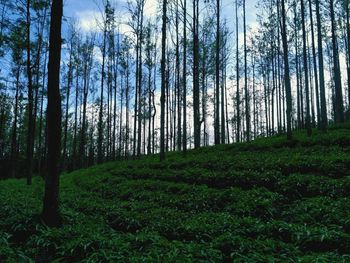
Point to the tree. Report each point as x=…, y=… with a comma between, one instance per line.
x=50, y=214
x=324, y=120
x=184, y=80
x=217, y=75
x=347, y=11
x=196, y=115
x=339, y=106
x=308, y=120
x=163, y=84
x=100, y=154
x=30, y=132
x=286, y=72
x=247, y=109
x=238, y=115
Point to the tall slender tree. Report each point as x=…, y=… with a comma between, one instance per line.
x=286, y=71
x=306, y=71
x=217, y=75
x=30, y=131
x=324, y=119
x=184, y=80
x=162, y=95
x=238, y=114
x=339, y=104
x=247, y=102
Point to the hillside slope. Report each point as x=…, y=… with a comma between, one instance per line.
x=266, y=201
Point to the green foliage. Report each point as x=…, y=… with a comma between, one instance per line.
x=267, y=201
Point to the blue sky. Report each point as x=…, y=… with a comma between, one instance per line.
x=86, y=11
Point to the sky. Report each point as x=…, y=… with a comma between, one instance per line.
x=87, y=11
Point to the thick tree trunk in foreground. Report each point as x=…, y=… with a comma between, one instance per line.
x=51, y=215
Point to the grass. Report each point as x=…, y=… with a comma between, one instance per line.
x=270, y=200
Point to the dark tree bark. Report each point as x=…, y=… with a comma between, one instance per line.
x=247, y=106
x=324, y=120
x=196, y=115
x=286, y=73
x=69, y=83
x=51, y=215
x=184, y=77
x=139, y=77
x=163, y=76
x=347, y=8
x=178, y=89
x=238, y=115
x=306, y=71
x=315, y=64
x=217, y=76
x=14, y=128
x=100, y=155
x=339, y=106
x=30, y=131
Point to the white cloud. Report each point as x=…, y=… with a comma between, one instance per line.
x=89, y=20
x=150, y=8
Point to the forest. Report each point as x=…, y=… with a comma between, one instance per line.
x=175, y=131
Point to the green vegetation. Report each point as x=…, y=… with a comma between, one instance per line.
x=270, y=200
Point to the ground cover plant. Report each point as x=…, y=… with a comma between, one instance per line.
x=271, y=200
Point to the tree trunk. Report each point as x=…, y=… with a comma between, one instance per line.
x=196, y=115
x=286, y=73
x=217, y=75
x=247, y=110
x=50, y=213
x=315, y=65
x=100, y=118
x=14, y=128
x=347, y=7
x=238, y=116
x=184, y=76
x=163, y=76
x=324, y=120
x=306, y=71
x=339, y=106
x=70, y=79
x=30, y=131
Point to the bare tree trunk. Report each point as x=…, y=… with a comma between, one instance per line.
x=178, y=79
x=217, y=75
x=247, y=108
x=196, y=115
x=324, y=120
x=14, y=128
x=69, y=83
x=347, y=7
x=163, y=75
x=286, y=72
x=30, y=132
x=184, y=76
x=51, y=215
x=339, y=106
x=315, y=65
x=238, y=115
x=100, y=118
x=306, y=71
